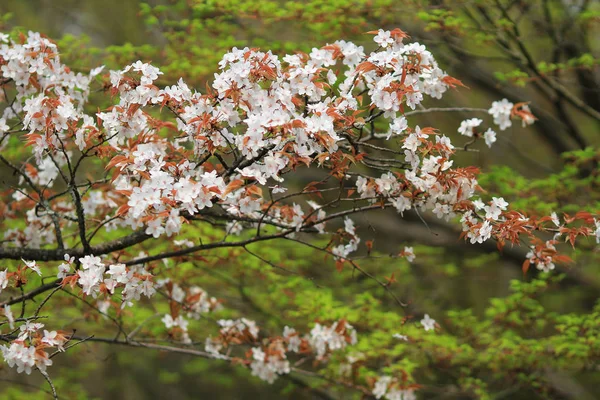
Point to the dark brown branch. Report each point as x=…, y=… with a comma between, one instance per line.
x=17, y=253
x=30, y=295
x=189, y=250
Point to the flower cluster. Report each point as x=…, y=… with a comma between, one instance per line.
x=342, y=250
x=193, y=302
x=266, y=365
x=28, y=350
x=95, y=278
x=467, y=128
x=479, y=230
x=271, y=360
x=287, y=111
x=330, y=338
x=502, y=111
x=389, y=388
x=428, y=323
x=233, y=332
x=542, y=255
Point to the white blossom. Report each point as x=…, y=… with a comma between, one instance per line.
x=428, y=323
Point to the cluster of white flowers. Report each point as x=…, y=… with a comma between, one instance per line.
x=428, y=322
x=418, y=78
x=27, y=351
x=267, y=366
x=494, y=208
x=3, y=279
x=388, y=388
x=292, y=338
x=439, y=187
x=343, y=250
x=35, y=67
x=504, y=110
x=397, y=127
x=480, y=231
x=37, y=232
x=409, y=254
x=260, y=121
x=180, y=323
x=501, y=111
x=541, y=256
x=238, y=327
x=199, y=302
x=195, y=302
x=22, y=357
x=236, y=331
x=329, y=338
x=95, y=200
x=477, y=232
x=287, y=110
x=270, y=360
x=9, y=316
x=95, y=278
x=49, y=99
x=65, y=268
x=489, y=136
x=468, y=126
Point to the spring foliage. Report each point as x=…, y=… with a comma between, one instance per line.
x=125, y=206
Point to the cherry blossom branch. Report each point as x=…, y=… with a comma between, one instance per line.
x=41, y=201
x=208, y=246
x=210, y=356
x=30, y=295
x=262, y=118
x=47, y=378
x=81, y=221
